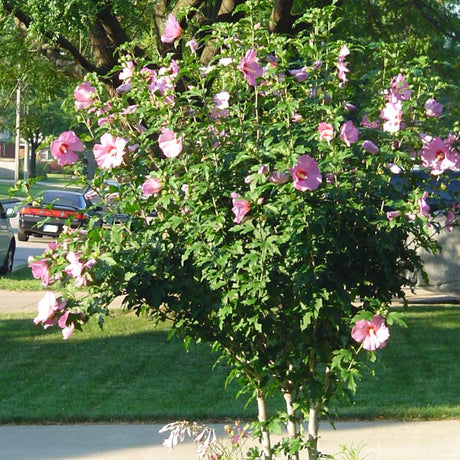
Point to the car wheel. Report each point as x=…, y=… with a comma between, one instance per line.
x=7, y=266
x=22, y=236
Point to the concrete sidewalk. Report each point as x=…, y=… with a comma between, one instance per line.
x=381, y=440
x=26, y=301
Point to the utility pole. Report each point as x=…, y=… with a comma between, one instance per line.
x=17, y=142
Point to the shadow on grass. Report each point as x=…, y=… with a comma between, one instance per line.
x=128, y=372
x=131, y=372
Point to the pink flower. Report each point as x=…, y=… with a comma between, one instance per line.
x=438, y=156
x=40, y=270
x=423, y=206
x=67, y=330
x=47, y=307
x=64, y=148
x=127, y=72
x=84, y=94
x=433, y=108
x=370, y=147
x=220, y=109
x=169, y=143
x=373, y=334
x=299, y=74
x=193, y=45
x=296, y=118
x=399, y=89
x=250, y=68
x=369, y=124
x=109, y=153
x=152, y=186
x=221, y=100
x=75, y=266
x=326, y=132
x=342, y=65
x=393, y=114
x=240, y=207
x=279, y=178
x=391, y=215
x=172, y=30
x=306, y=174
x=349, y=133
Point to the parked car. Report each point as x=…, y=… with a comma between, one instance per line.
x=7, y=241
x=57, y=208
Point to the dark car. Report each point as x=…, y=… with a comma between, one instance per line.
x=57, y=208
x=7, y=242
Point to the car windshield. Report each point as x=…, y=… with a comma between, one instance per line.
x=73, y=200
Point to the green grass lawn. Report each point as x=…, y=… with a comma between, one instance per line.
x=131, y=372
x=51, y=181
x=21, y=280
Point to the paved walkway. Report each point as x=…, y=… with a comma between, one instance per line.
x=428, y=440
x=439, y=440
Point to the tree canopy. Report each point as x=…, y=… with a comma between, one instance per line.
x=81, y=36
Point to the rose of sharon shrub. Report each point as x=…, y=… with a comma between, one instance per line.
x=258, y=228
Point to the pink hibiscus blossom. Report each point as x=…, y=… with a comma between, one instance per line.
x=326, y=132
x=399, y=90
x=433, y=108
x=220, y=109
x=67, y=330
x=193, y=45
x=299, y=74
x=109, y=153
x=84, y=95
x=47, y=307
x=152, y=186
x=169, y=143
x=64, y=148
x=240, y=207
x=439, y=156
x=40, y=270
x=391, y=215
x=423, y=206
x=250, y=68
x=306, y=174
x=349, y=133
x=172, y=30
x=279, y=177
x=393, y=114
x=342, y=65
x=370, y=147
x=76, y=268
x=366, y=123
x=372, y=334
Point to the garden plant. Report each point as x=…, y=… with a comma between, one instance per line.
x=251, y=201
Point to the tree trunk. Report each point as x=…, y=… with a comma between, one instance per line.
x=262, y=410
x=313, y=426
x=292, y=423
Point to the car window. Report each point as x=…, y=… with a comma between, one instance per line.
x=64, y=199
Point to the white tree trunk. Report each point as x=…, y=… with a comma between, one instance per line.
x=292, y=424
x=262, y=410
x=313, y=432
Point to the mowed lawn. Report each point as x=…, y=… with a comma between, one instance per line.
x=130, y=371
